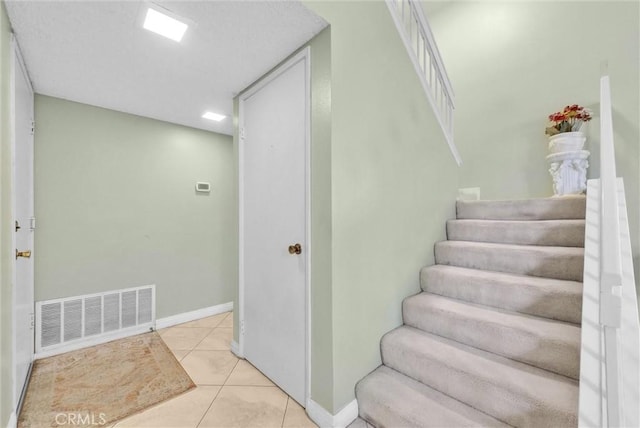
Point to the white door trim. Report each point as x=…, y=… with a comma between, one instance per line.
x=13, y=69
x=303, y=55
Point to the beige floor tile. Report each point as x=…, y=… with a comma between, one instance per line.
x=246, y=406
x=208, y=322
x=296, y=417
x=180, y=353
x=184, y=338
x=184, y=411
x=228, y=321
x=218, y=340
x=246, y=374
x=209, y=367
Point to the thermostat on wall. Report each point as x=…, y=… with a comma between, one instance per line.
x=203, y=187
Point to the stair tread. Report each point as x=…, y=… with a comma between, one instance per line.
x=567, y=233
x=546, y=297
x=514, y=392
x=544, y=261
x=408, y=402
x=545, y=343
x=569, y=207
x=555, y=249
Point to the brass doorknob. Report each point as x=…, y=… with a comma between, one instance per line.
x=25, y=254
x=295, y=249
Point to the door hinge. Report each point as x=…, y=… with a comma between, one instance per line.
x=242, y=134
x=33, y=127
x=32, y=223
x=242, y=327
x=33, y=320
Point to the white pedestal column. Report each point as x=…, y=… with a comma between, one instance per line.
x=569, y=172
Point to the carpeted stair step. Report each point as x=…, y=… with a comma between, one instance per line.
x=387, y=398
x=564, y=233
x=515, y=393
x=544, y=297
x=567, y=207
x=548, y=262
x=548, y=344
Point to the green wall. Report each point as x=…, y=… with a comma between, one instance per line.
x=393, y=185
x=321, y=221
x=116, y=207
x=6, y=218
x=512, y=64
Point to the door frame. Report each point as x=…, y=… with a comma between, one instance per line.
x=303, y=55
x=17, y=65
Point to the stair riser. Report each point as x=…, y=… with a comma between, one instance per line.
x=563, y=234
x=536, y=209
x=477, y=386
x=519, y=294
x=559, y=353
x=534, y=261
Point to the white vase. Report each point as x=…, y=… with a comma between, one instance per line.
x=567, y=142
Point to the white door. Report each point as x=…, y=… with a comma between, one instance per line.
x=274, y=119
x=24, y=223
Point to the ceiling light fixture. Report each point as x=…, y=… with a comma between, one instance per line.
x=164, y=25
x=213, y=116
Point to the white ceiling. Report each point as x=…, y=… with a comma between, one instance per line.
x=98, y=53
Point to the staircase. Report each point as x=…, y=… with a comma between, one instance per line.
x=494, y=337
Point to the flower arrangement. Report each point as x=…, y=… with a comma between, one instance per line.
x=570, y=119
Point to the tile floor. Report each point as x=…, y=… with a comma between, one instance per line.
x=230, y=392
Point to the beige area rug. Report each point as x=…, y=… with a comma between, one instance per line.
x=102, y=384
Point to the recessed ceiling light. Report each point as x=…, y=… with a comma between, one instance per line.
x=213, y=116
x=164, y=25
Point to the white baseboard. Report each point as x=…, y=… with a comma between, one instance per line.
x=235, y=349
x=13, y=421
x=87, y=342
x=324, y=419
x=193, y=315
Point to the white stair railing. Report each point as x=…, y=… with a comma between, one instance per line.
x=416, y=35
x=610, y=267
x=610, y=348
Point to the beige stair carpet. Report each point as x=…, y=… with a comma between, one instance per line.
x=493, y=339
x=99, y=385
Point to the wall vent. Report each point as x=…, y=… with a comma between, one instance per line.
x=79, y=321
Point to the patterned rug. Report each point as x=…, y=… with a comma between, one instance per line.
x=102, y=384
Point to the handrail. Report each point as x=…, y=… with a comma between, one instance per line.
x=418, y=39
x=610, y=256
